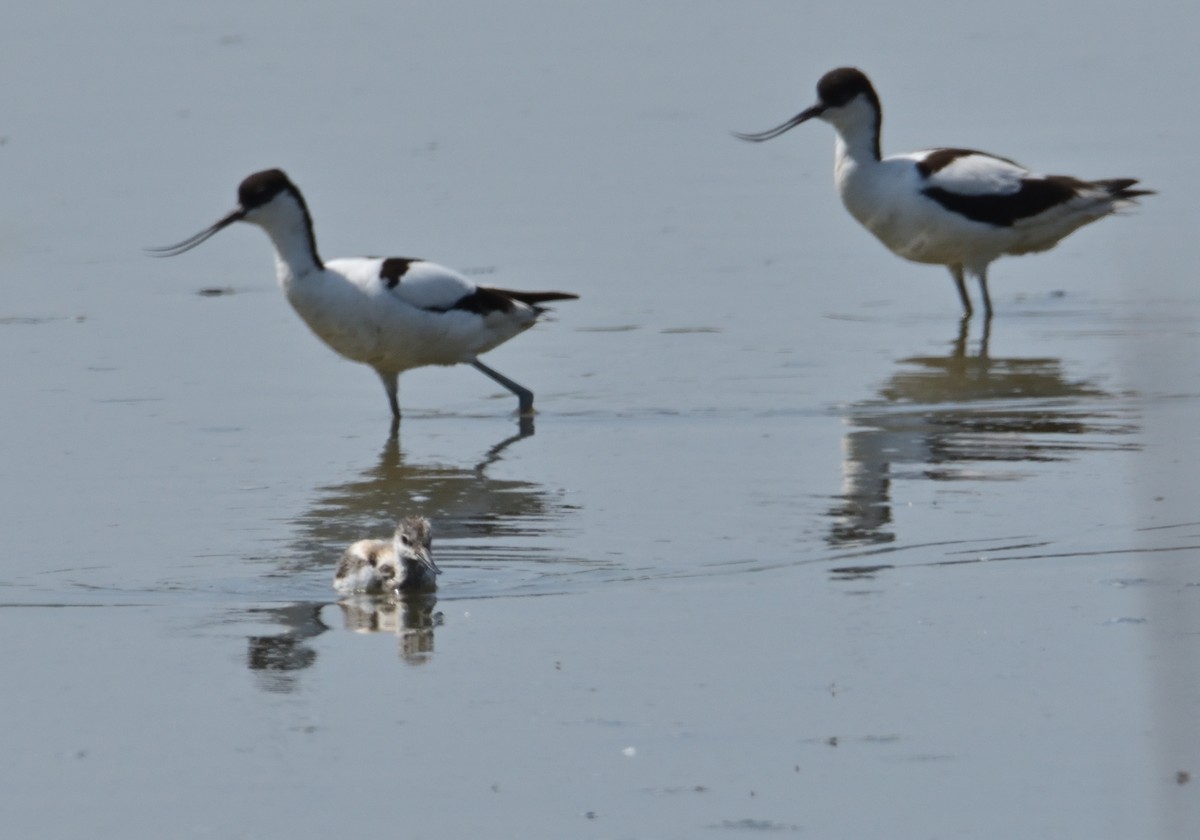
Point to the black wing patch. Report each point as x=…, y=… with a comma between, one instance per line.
x=1035, y=196
x=394, y=268
x=485, y=300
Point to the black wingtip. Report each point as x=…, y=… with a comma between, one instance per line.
x=534, y=298
x=1120, y=188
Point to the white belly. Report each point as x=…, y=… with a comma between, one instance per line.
x=371, y=326
x=890, y=205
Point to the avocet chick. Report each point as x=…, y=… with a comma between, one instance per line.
x=402, y=564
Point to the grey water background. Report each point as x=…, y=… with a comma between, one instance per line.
x=789, y=552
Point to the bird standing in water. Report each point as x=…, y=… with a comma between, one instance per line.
x=393, y=314
x=954, y=207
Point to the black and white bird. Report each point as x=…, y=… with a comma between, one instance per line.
x=390, y=567
x=393, y=314
x=954, y=207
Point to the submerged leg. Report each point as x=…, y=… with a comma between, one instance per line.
x=987, y=298
x=391, y=384
x=524, y=395
x=956, y=271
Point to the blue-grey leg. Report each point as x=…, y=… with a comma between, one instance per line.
x=391, y=384
x=987, y=298
x=956, y=271
x=524, y=395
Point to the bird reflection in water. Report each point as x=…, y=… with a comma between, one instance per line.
x=410, y=617
x=958, y=417
x=464, y=502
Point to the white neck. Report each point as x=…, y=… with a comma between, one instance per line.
x=286, y=221
x=857, y=124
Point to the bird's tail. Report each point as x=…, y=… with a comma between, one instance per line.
x=1119, y=188
x=533, y=299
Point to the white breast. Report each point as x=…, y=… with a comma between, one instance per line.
x=886, y=198
x=409, y=325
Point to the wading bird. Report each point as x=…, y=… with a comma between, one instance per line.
x=393, y=314
x=954, y=207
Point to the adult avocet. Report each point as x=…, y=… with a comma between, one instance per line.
x=390, y=567
x=954, y=207
x=393, y=314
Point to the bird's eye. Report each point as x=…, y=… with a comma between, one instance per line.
x=405, y=540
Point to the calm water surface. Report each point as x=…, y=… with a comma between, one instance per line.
x=788, y=550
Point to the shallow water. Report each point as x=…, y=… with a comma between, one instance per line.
x=787, y=549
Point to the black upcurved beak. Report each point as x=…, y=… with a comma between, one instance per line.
x=803, y=116
x=192, y=241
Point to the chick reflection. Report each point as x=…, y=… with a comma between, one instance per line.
x=941, y=416
x=411, y=617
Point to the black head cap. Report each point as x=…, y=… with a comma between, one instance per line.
x=838, y=87
x=258, y=189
